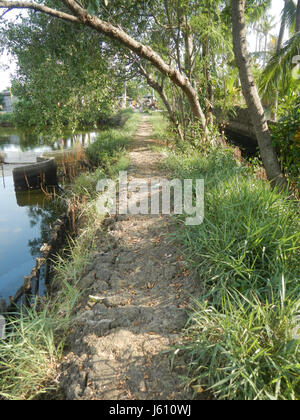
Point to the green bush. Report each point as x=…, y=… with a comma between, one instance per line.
x=105, y=148
x=111, y=143
x=6, y=118
x=286, y=138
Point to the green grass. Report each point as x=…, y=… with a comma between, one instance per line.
x=34, y=346
x=244, y=350
x=244, y=255
x=108, y=155
x=29, y=356
x=161, y=126
x=111, y=143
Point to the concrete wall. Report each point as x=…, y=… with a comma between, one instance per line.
x=239, y=129
x=240, y=122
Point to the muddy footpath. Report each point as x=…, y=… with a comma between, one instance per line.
x=118, y=347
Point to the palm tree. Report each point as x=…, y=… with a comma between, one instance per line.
x=288, y=21
x=297, y=29
x=265, y=27
x=278, y=72
x=267, y=152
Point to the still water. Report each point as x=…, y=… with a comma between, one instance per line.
x=25, y=216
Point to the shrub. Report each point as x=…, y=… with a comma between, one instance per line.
x=286, y=138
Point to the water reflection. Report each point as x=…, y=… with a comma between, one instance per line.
x=24, y=147
x=24, y=227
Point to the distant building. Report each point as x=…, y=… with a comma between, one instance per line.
x=8, y=101
x=149, y=102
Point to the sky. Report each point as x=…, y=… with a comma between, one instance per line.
x=8, y=66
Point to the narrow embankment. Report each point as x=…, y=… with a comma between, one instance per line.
x=117, y=345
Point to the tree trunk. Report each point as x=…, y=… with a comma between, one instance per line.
x=252, y=98
x=208, y=84
x=124, y=101
x=189, y=48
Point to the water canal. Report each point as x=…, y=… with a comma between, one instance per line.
x=25, y=217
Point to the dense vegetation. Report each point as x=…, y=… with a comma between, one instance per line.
x=75, y=60
x=242, y=340
x=286, y=137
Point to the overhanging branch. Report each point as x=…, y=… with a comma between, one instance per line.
x=38, y=7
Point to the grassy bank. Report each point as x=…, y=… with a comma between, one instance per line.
x=30, y=355
x=241, y=341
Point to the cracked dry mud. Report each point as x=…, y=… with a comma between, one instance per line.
x=117, y=347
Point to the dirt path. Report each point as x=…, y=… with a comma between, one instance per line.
x=117, y=344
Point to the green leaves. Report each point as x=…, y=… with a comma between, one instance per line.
x=65, y=79
x=286, y=136
x=94, y=6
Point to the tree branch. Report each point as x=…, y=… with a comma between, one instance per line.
x=38, y=7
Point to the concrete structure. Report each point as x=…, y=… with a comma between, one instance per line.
x=239, y=129
x=37, y=175
x=8, y=101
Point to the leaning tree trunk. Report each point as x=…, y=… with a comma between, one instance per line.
x=268, y=154
x=160, y=90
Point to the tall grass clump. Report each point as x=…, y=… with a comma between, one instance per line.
x=239, y=338
x=250, y=234
x=161, y=126
x=28, y=356
x=245, y=350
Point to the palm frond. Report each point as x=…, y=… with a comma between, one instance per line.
x=290, y=13
x=279, y=68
